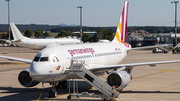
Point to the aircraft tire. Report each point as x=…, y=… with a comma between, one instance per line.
x=50, y=94
x=69, y=97
x=64, y=84
x=53, y=94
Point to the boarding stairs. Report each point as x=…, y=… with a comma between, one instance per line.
x=177, y=45
x=107, y=91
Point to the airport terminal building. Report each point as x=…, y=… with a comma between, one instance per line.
x=147, y=40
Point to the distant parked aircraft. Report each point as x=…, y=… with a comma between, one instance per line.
x=23, y=41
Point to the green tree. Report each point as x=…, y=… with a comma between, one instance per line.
x=6, y=35
x=38, y=33
x=64, y=33
x=86, y=37
x=99, y=34
x=69, y=33
x=94, y=38
x=3, y=36
x=104, y=34
x=28, y=33
x=46, y=34
x=107, y=34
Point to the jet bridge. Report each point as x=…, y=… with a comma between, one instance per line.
x=107, y=92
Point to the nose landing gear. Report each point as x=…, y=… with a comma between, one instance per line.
x=53, y=93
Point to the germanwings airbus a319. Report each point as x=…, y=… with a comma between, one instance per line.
x=23, y=41
x=52, y=64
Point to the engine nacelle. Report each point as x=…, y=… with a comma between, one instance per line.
x=119, y=79
x=26, y=80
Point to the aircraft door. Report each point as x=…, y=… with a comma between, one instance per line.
x=68, y=59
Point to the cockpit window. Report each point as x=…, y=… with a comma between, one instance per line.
x=36, y=59
x=44, y=59
x=50, y=58
x=53, y=59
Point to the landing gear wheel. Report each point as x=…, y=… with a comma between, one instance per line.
x=53, y=94
x=64, y=84
x=50, y=94
x=69, y=97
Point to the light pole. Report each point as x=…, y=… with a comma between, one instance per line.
x=80, y=21
x=175, y=2
x=8, y=20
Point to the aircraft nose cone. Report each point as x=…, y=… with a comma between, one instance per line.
x=34, y=69
x=37, y=72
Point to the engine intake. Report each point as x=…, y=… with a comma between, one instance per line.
x=119, y=79
x=26, y=80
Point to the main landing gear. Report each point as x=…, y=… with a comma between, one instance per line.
x=58, y=85
x=62, y=85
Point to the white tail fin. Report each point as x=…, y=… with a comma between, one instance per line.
x=121, y=31
x=16, y=33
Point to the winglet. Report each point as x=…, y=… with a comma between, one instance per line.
x=121, y=31
x=16, y=33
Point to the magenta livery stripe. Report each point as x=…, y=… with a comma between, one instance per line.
x=122, y=24
x=121, y=31
x=126, y=21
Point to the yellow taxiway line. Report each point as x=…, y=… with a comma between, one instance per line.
x=162, y=71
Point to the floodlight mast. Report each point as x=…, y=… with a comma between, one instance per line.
x=8, y=20
x=80, y=21
x=175, y=2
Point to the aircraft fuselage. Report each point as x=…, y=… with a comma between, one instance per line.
x=42, y=43
x=52, y=63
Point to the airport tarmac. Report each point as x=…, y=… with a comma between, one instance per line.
x=160, y=83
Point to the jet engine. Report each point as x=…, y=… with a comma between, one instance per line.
x=119, y=79
x=26, y=80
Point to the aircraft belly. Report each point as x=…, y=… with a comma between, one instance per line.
x=26, y=45
x=48, y=77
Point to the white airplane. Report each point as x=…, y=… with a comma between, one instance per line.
x=23, y=41
x=52, y=64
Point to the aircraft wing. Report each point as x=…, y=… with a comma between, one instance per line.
x=8, y=41
x=16, y=59
x=147, y=47
x=131, y=65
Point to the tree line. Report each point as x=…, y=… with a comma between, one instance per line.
x=39, y=31
x=100, y=34
x=56, y=28
x=150, y=29
x=28, y=33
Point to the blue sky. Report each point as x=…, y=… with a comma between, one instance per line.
x=95, y=12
